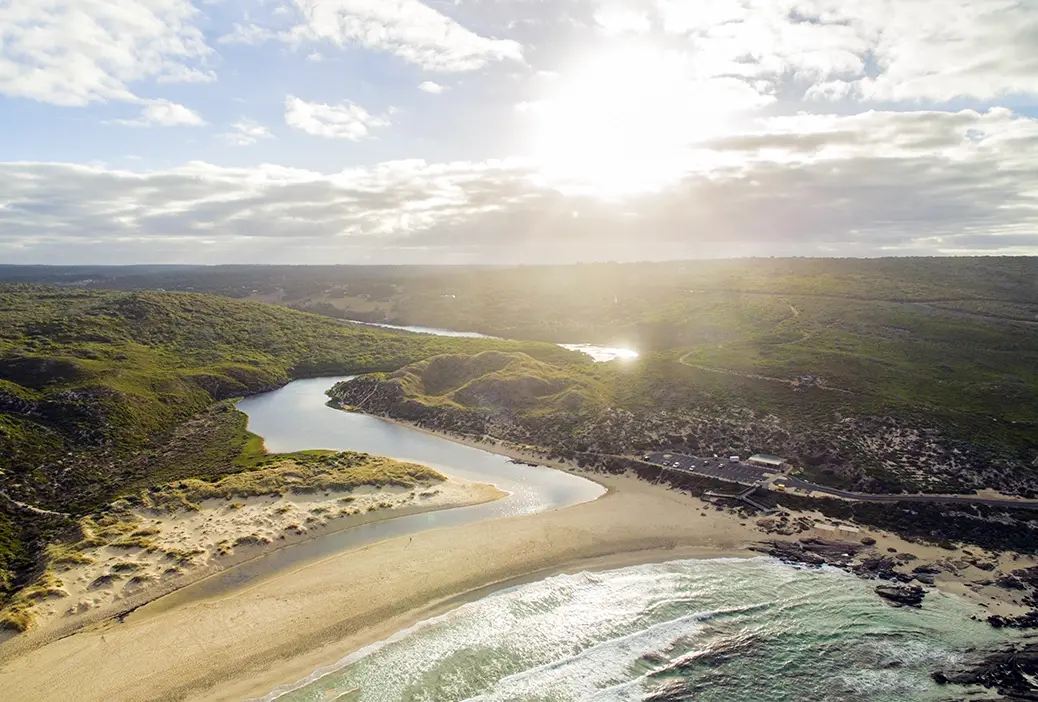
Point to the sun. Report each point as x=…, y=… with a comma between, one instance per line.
x=622, y=122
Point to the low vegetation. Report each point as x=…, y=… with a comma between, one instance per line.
x=860, y=440
x=126, y=523
x=305, y=472
x=105, y=393
x=885, y=375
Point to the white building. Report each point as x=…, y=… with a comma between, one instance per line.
x=764, y=459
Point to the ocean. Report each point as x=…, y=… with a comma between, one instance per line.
x=718, y=630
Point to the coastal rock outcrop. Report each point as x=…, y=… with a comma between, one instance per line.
x=811, y=551
x=1008, y=670
x=902, y=595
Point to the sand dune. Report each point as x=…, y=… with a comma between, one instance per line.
x=168, y=550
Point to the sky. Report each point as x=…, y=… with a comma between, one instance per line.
x=515, y=131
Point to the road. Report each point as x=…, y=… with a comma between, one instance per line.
x=720, y=468
x=748, y=474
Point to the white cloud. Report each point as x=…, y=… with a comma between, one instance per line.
x=246, y=132
x=250, y=34
x=622, y=16
x=163, y=113
x=933, y=50
x=74, y=52
x=431, y=87
x=924, y=182
x=409, y=29
x=345, y=120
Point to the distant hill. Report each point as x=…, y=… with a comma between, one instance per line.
x=651, y=306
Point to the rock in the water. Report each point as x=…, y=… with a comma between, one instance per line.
x=902, y=595
x=1024, y=621
x=1008, y=670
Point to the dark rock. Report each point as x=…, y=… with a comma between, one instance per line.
x=1024, y=621
x=924, y=578
x=902, y=595
x=926, y=568
x=810, y=551
x=1010, y=582
x=868, y=541
x=1008, y=670
x=882, y=568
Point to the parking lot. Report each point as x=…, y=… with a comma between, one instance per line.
x=721, y=468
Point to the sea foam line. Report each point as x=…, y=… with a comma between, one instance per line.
x=586, y=576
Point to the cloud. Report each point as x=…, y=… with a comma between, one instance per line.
x=932, y=50
x=163, y=113
x=925, y=182
x=246, y=132
x=249, y=34
x=622, y=16
x=74, y=52
x=430, y=87
x=409, y=29
x=345, y=120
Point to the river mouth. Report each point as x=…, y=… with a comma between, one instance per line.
x=295, y=418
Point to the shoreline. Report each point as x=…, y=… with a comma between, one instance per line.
x=460, y=494
x=281, y=630
x=316, y=663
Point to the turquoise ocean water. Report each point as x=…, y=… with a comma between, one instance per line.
x=721, y=630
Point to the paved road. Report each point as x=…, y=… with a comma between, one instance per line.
x=748, y=474
x=869, y=497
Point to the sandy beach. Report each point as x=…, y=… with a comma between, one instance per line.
x=166, y=550
x=281, y=629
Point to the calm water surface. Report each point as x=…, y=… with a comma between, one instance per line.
x=600, y=354
x=296, y=418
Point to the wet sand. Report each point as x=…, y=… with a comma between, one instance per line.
x=279, y=630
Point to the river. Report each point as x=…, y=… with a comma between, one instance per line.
x=296, y=418
x=600, y=354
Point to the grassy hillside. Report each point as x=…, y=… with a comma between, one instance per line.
x=869, y=438
x=495, y=380
x=953, y=334
x=103, y=391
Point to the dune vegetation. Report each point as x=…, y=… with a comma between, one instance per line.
x=105, y=393
x=126, y=522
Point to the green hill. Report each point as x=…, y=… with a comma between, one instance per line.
x=869, y=438
x=102, y=392
x=495, y=380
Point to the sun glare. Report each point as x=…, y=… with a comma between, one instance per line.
x=622, y=122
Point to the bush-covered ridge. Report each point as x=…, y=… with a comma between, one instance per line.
x=495, y=379
x=851, y=440
x=101, y=391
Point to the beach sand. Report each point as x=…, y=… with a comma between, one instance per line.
x=182, y=546
x=279, y=630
